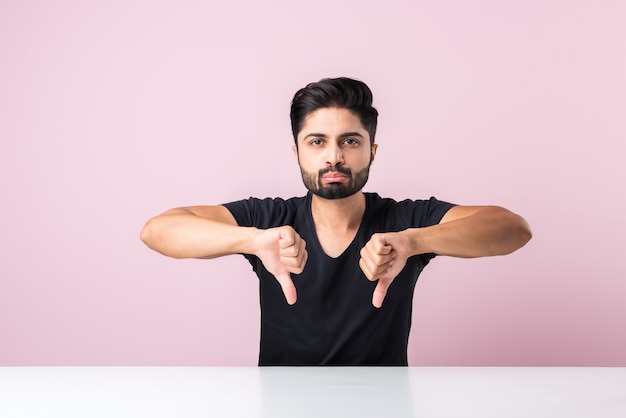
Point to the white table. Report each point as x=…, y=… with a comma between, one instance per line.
x=320, y=392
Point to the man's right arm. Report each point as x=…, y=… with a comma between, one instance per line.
x=197, y=232
x=212, y=231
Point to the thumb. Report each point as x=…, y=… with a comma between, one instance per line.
x=289, y=289
x=380, y=292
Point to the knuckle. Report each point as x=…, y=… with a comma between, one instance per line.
x=379, y=260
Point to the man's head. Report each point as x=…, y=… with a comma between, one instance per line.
x=334, y=124
x=339, y=92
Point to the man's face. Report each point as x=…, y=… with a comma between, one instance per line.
x=334, y=153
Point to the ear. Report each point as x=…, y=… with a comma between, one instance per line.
x=374, y=149
x=295, y=152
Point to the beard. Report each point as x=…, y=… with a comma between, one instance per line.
x=354, y=183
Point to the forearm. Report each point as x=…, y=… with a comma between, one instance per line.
x=490, y=231
x=184, y=235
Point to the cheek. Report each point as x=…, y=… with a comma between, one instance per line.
x=305, y=159
x=363, y=157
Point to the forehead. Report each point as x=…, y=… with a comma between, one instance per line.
x=331, y=121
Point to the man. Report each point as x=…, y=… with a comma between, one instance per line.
x=337, y=268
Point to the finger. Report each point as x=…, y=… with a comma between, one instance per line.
x=380, y=244
x=378, y=256
x=296, y=264
x=370, y=269
x=294, y=251
x=376, y=264
x=372, y=274
x=291, y=251
x=289, y=290
x=366, y=270
x=293, y=257
x=293, y=264
x=303, y=256
x=380, y=292
x=287, y=238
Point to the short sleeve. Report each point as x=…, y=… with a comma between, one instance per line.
x=418, y=213
x=262, y=213
x=434, y=211
x=241, y=211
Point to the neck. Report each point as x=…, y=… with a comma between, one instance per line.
x=342, y=214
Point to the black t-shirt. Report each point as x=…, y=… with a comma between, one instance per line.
x=333, y=322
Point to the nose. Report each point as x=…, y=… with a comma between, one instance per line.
x=334, y=155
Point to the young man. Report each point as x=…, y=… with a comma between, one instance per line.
x=337, y=268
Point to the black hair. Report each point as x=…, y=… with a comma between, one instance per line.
x=341, y=92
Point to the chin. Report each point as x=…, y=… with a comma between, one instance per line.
x=334, y=193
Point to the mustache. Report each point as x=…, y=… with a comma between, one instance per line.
x=335, y=169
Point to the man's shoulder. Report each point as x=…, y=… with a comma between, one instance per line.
x=376, y=199
x=267, y=211
x=421, y=212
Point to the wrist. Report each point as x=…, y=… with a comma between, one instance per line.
x=249, y=240
x=417, y=243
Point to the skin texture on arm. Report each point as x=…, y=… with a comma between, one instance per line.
x=196, y=232
x=465, y=231
x=211, y=231
x=473, y=231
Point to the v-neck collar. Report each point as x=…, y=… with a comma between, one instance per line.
x=313, y=231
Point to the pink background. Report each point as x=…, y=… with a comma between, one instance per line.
x=114, y=111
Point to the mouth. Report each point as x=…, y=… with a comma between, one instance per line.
x=334, y=177
x=334, y=174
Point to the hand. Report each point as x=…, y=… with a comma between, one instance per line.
x=282, y=251
x=383, y=258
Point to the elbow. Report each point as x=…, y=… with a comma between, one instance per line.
x=519, y=235
x=524, y=234
x=527, y=234
x=156, y=235
x=149, y=234
x=146, y=233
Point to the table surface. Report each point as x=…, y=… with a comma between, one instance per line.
x=321, y=392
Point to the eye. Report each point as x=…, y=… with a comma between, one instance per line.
x=351, y=142
x=316, y=142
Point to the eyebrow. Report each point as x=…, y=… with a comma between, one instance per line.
x=343, y=135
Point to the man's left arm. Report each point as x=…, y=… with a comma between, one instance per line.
x=472, y=231
x=464, y=231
